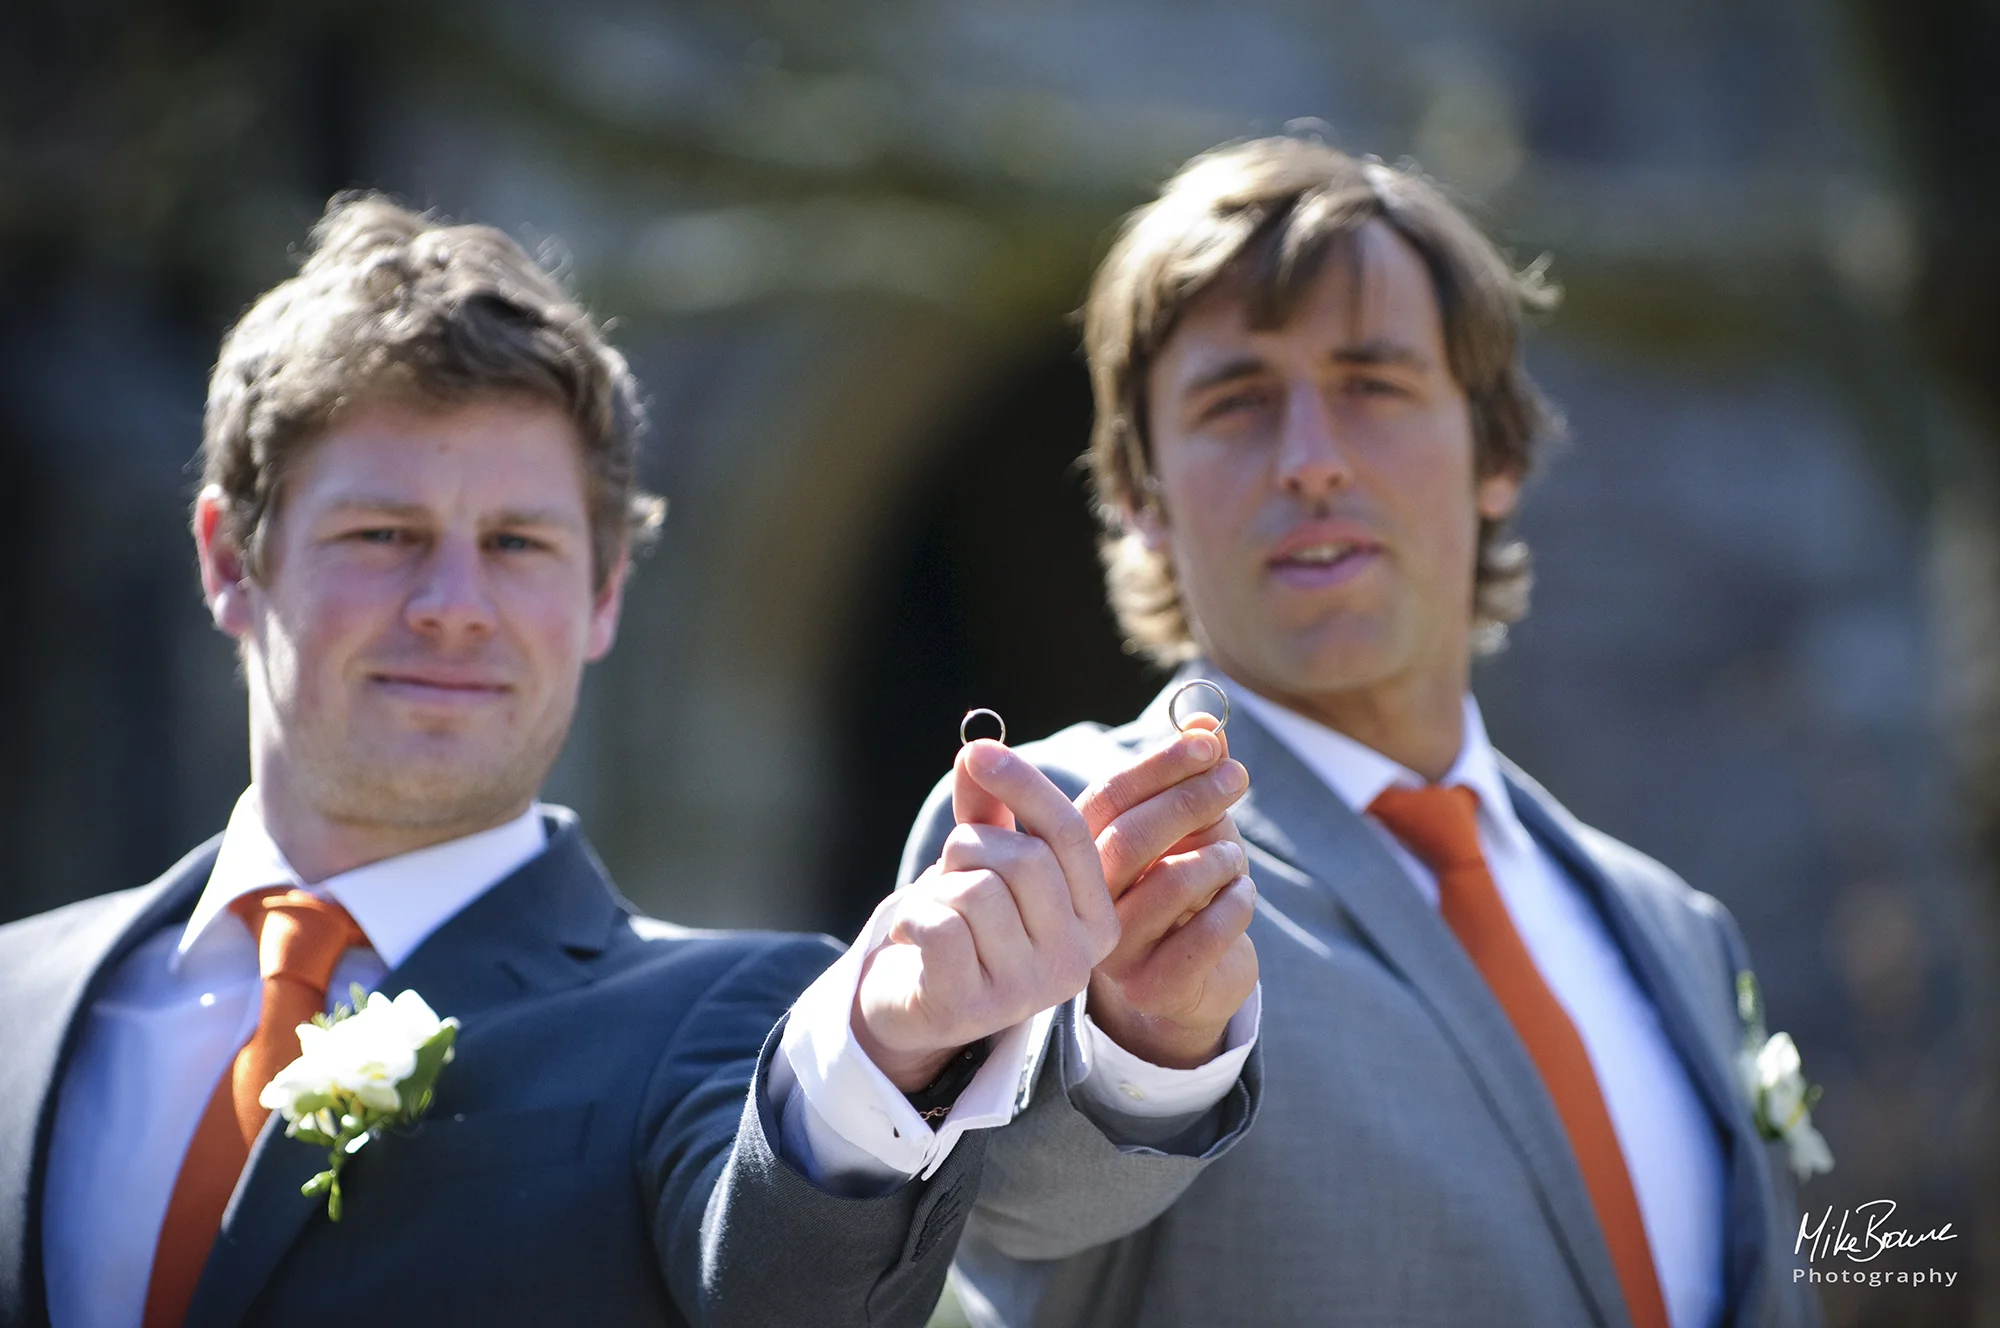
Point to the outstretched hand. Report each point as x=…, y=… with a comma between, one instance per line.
x=1011, y=920
x=1175, y=867
x=1136, y=890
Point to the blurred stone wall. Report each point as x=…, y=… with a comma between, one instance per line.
x=841, y=242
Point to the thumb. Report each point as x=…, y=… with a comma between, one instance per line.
x=970, y=803
x=1208, y=723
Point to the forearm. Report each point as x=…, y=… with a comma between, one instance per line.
x=774, y=1247
x=1057, y=1181
x=742, y=1236
x=1064, y=1177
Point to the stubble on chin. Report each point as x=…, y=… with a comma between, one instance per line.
x=448, y=786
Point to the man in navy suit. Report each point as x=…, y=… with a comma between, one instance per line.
x=417, y=515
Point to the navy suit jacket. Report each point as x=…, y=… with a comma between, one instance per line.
x=595, y=1152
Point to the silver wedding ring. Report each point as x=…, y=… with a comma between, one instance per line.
x=1173, y=705
x=970, y=715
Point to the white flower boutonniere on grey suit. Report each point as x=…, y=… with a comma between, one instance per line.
x=1780, y=1098
x=360, y=1070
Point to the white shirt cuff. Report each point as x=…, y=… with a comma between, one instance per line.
x=1118, y=1082
x=844, y=1124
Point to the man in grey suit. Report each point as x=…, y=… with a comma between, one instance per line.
x=1499, y=1049
x=417, y=517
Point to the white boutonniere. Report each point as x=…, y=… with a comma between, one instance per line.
x=360, y=1070
x=1781, y=1100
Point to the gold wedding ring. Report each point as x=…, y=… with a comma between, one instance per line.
x=970, y=715
x=1173, y=704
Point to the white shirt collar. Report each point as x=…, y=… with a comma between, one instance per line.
x=1356, y=774
x=397, y=902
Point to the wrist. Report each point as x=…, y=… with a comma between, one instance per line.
x=935, y=1100
x=909, y=1070
x=1155, y=1039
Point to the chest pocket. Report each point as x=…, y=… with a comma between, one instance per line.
x=469, y=1143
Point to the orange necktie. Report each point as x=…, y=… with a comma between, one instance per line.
x=300, y=937
x=1440, y=826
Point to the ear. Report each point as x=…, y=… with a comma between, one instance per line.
x=605, y=608
x=1496, y=496
x=1149, y=523
x=225, y=577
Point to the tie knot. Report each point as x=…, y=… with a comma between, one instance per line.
x=299, y=935
x=1439, y=825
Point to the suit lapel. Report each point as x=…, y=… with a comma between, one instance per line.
x=1644, y=948
x=1638, y=935
x=55, y=967
x=537, y=931
x=1292, y=815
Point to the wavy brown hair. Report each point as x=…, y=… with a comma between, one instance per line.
x=1265, y=217
x=393, y=303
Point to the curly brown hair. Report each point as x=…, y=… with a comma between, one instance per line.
x=390, y=302
x=1265, y=216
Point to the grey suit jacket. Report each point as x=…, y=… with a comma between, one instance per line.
x=596, y=1152
x=1407, y=1165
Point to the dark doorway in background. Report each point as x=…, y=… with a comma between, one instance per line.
x=986, y=592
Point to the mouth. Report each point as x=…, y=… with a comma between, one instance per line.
x=1320, y=563
x=439, y=689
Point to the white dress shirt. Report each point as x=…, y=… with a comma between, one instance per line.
x=178, y=1008
x=1670, y=1145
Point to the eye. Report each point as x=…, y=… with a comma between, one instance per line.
x=1374, y=387
x=379, y=535
x=514, y=542
x=1236, y=403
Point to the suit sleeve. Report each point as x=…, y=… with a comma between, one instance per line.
x=742, y=1236
x=1058, y=1181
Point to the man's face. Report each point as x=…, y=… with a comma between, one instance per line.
x=415, y=643
x=1316, y=483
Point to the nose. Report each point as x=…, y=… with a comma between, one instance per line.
x=1312, y=460
x=452, y=598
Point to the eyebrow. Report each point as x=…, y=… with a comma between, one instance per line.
x=1381, y=352
x=1368, y=353
x=535, y=516
x=1243, y=366
x=393, y=507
